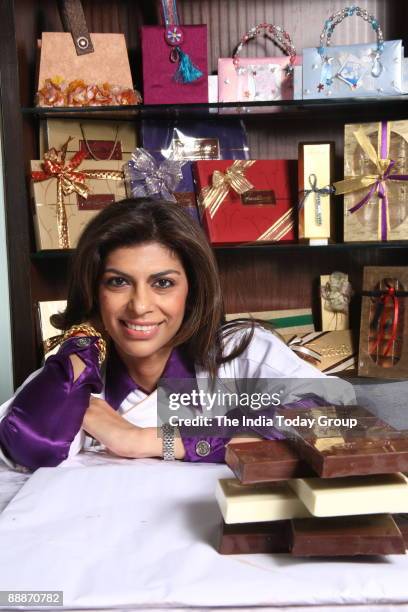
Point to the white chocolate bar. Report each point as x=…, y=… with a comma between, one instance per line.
x=256, y=503
x=353, y=495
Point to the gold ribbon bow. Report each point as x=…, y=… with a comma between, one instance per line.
x=234, y=178
x=69, y=180
x=366, y=180
x=382, y=163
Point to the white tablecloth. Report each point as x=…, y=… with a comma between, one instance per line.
x=117, y=533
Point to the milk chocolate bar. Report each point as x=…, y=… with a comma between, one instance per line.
x=343, y=536
x=360, y=445
x=265, y=461
x=254, y=538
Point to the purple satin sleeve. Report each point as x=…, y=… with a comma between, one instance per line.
x=47, y=413
x=215, y=446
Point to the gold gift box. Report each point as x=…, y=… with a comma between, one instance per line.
x=315, y=171
x=331, y=321
x=289, y=321
x=79, y=210
x=365, y=224
x=337, y=349
x=118, y=139
x=383, y=345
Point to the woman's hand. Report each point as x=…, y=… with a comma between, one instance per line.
x=119, y=436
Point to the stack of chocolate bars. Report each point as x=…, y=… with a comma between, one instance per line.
x=334, y=487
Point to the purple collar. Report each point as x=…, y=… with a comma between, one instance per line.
x=119, y=382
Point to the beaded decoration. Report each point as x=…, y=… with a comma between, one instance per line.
x=279, y=36
x=349, y=71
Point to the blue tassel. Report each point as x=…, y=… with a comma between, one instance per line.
x=186, y=71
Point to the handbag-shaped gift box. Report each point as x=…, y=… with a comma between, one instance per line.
x=370, y=69
x=258, y=79
x=174, y=60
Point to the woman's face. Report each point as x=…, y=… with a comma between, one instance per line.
x=142, y=298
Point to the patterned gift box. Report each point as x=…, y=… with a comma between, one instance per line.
x=247, y=201
x=331, y=352
x=316, y=161
x=376, y=181
x=67, y=195
x=290, y=321
x=383, y=346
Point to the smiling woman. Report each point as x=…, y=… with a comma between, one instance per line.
x=144, y=303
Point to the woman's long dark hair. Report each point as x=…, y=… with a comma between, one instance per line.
x=131, y=222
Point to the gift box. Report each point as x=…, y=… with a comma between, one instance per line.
x=375, y=186
x=383, y=346
x=98, y=140
x=147, y=178
x=316, y=162
x=164, y=50
x=335, y=294
x=290, y=321
x=190, y=141
x=99, y=78
x=247, y=201
x=331, y=352
x=66, y=198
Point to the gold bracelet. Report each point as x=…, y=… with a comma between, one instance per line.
x=88, y=330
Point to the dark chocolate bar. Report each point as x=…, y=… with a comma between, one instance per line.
x=370, y=446
x=265, y=461
x=254, y=538
x=376, y=534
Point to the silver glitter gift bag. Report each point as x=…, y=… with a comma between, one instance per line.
x=350, y=71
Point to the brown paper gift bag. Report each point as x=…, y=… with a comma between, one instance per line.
x=108, y=64
x=99, y=140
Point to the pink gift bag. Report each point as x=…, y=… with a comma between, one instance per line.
x=171, y=55
x=258, y=79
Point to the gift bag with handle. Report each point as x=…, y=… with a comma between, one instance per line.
x=369, y=69
x=174, y=60
x=258, y=79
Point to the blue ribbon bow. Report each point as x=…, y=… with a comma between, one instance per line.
x=324, y=191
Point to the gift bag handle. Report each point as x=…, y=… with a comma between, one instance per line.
x=168, y=12
x=279, y=36
x=337, y=18
x=73, y=19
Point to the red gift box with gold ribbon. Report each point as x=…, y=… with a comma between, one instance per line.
x=247, y=200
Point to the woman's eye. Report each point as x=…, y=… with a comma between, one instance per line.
x=116, y=281
x=164, y=283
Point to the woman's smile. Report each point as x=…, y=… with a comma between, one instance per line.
x=142, y=298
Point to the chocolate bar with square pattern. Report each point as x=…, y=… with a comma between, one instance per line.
x=265, y=461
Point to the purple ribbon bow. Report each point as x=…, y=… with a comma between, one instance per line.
x=148, y=178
